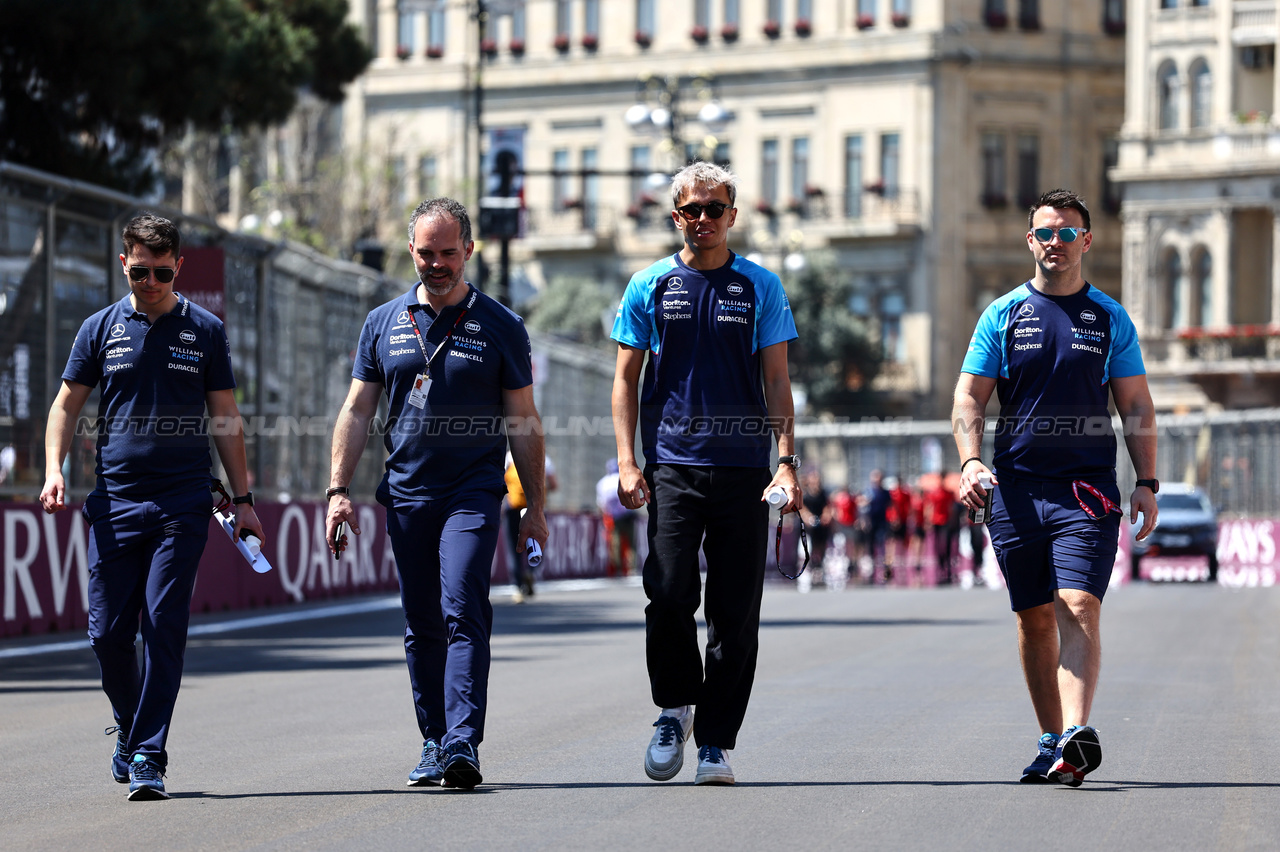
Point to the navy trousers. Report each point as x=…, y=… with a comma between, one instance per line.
x=444, y=552
x=718, y=509
x=143, y=557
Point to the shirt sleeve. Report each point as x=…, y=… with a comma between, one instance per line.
x=366, y=367
x=517, y=361
x=1125, y=358
x=983, y=357
x=83, y=365
x=219, y=376
x=774, y=320
x=633, y=324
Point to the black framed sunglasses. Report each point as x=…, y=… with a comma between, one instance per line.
x=164, y=274
x=1067, y=235
x=693, y=212
x=777, y=550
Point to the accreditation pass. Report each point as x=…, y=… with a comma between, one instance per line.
x=421, y=386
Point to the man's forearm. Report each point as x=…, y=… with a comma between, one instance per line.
x=57, y=440
x=626, y=412
x=231, y=451
x=782, y=415
x=350, y=434
x=528, y=453
x=966, y=426
x=1141, y=442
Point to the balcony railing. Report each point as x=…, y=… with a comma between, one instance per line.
x=1252, y=16
x=1234, y=348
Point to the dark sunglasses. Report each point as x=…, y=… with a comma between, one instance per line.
x=1067, y=235
x=693, y=212
x=164, y=274
x=777, y=550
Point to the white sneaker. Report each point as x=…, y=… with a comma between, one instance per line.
x=713, y=766
x=665, y=755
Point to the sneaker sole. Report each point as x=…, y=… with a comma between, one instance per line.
x=426, y=782
x=1033, y=778
x=1081, y=755
x=708, y=779
x=465, y=777
x=147, y=794
x=660, y=775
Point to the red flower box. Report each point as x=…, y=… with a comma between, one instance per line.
x=866, y=22
x=772, y=29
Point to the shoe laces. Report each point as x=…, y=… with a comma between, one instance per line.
x=122, y=740
x=430, y=754
x=145, y=770
x=711, y=754
x=669, y=730
x=1048, y=743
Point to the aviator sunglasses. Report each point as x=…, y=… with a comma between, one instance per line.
x=1067, y=235
x=692, y=212
x=164, y=274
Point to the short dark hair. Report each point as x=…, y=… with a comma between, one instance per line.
x=155, y=232
x=442, y=207
x=1059, y=199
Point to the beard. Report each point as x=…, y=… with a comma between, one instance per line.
x=439, y=289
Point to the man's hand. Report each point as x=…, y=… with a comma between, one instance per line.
x=247, y=519
x=53, y=497
x=1142, y=500
x=633, y=491
x=971, y=494
x=340, y=511
x=786, y=479
x=533, y=525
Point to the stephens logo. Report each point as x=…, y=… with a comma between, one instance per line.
x=1027, y=309
x=187, y=337
x=117, y=330
x=403, y=318
x=472, y=327
x=734, y=289
x=1088, y=316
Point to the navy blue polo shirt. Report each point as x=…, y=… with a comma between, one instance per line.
x=702, y=400
x=1052, y=358
x=152, y=432
x=458, y=439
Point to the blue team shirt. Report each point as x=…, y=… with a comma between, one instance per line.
x=458, y=440
x=152, y=434
x=1052, y=357
x=702, y=400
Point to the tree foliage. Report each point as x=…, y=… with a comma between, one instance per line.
x=91, y=89
x=572, y=308
x=835, y=357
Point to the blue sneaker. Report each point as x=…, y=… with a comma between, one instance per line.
x=120, y=757
x=461, y=766
x=146, y=779
x=428, y=771
x=713, y=766
x=1038, y=771
x=1079, y=752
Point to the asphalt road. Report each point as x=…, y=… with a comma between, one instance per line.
x=881, y=719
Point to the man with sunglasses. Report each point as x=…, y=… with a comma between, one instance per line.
x=1053, y=350
x=160, y=362
x=715, y=329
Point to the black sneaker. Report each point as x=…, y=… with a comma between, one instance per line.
x=1078, y=753
x=428, y=771
x=120, y=757
x=146, y=779
x=1038, y=771
x=461, y=766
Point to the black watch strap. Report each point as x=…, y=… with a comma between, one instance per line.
x=1153, y=484
x=245, y=500
x=337, y=489
x=792, y=460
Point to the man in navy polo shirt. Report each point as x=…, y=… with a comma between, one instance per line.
x=160, y=362
x=456, y=368
x=1052, y=350
x=715, y=327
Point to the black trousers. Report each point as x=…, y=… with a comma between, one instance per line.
x=719, y=509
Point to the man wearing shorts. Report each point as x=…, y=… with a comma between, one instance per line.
x=1052, y=349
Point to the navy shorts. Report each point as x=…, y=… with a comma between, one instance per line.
x=1044, y=540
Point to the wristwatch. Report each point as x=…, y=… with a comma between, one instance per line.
x=793, y=460
x=247, y=499
x=1153, y=484
x=337, y=489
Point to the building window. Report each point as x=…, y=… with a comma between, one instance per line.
x=722, y=154
x=640, y=169
x=564, y=20
x=428, y=177
x=769, y=172
x=1199, y=2
x=853, y=176
x=799, y=173
x=892, y=306
x=560, y=186
x=1174, y=316
x=1028, y=169
x=590, y=188
x=406, y=34
x=994, y=193
x=1201, y=93
x=645, y=22
x=1168, y=4
x=901, y=14
x=1113, y=17
x=435, y=33
x=866, y=14
x=995, y=13
x=890, y=157
x=773, y=11
x=396, y=184
x=1110, y=189
x=518, y=24
x=1029, y=14
x=1202, y=293
x=1167, y=92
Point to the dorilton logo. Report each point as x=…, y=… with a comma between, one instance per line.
x=1088, y=316
x=472, y=327
x=734, y=289
x=187, y=337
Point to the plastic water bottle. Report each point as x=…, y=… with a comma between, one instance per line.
x=776, y=497
x=980, y=514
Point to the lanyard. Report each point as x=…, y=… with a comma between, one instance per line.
x=1107, y=506
x=418, y=334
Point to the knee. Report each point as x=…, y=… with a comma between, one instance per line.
x=1038, y=622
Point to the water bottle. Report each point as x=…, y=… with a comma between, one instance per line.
x=776, y=497
x=980, y=514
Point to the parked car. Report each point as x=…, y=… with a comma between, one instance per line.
x=1188, y=526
